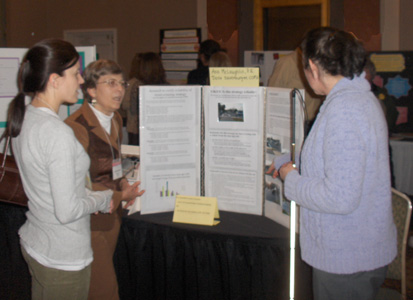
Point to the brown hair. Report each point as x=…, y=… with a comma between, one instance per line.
x=94, y=71
x=147, y=67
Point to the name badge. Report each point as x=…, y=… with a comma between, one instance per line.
x=117, y=169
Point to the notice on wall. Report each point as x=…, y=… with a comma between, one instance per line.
x=231, y=77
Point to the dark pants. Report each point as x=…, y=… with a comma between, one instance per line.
x=357, y=286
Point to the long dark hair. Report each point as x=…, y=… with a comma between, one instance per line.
x=43, y=59
x=336, y=51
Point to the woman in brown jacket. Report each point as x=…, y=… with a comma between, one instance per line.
x=98, y=127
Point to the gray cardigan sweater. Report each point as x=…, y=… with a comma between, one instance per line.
x=346, y=221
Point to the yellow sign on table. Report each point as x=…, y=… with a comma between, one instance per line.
x=245, y=77
x=196, y=210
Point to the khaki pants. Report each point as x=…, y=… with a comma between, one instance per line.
x=52, y=284
x=103, y=282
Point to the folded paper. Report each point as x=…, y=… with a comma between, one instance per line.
x=196, y=210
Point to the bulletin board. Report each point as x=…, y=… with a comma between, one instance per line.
x=395, y=74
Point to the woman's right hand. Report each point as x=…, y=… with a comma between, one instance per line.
x=111, y=208
x=131, y=192
x=285, y=169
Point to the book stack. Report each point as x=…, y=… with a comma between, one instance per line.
x=179, y=52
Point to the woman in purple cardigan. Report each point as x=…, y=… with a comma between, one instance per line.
x=347, y=233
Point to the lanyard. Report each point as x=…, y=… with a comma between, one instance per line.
x=117, y=162
x=108, y=139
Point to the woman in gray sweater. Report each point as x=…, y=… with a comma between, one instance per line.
x=53, y=165
x=347, y=232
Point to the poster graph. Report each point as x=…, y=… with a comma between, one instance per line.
x=166, y=192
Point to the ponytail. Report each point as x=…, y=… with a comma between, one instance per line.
x=43, y=59
x=15, y=115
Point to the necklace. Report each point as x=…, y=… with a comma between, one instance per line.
x=47, y=104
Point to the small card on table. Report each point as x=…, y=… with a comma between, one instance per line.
x=196, y=210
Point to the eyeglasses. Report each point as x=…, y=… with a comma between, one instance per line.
x=114, y=83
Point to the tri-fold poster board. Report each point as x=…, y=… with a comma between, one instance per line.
x=216, y=142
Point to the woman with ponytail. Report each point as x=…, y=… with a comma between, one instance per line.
x=55, y=239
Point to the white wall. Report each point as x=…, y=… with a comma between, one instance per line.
x=396, y=24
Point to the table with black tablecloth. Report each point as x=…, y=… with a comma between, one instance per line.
x=243, y=257
x=14, y=274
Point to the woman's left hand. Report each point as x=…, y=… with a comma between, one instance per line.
x=285, y=169
x=272, y=171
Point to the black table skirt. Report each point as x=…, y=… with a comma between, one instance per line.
x=15, y=280
x=243, y=257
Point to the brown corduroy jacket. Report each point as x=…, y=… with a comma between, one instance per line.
x=92, y=136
